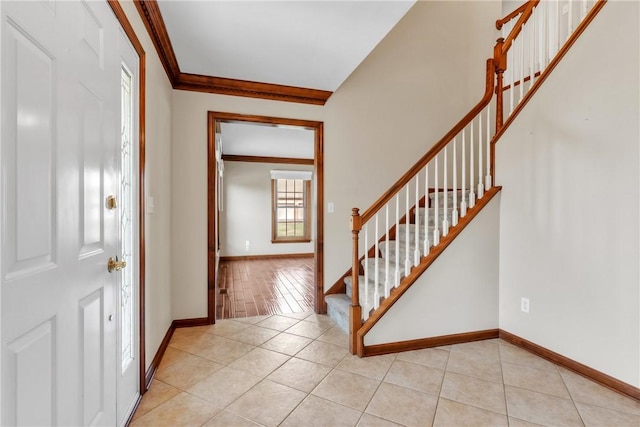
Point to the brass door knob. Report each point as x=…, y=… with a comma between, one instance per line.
x=115, y=265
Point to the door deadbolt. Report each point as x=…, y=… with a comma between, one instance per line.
x=115, y=265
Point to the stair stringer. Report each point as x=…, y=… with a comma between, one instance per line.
x=365, y=346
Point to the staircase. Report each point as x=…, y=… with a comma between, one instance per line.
x=409, y=226
x=338, y=304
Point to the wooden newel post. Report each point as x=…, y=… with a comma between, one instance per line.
x=500, y=62
x=355, y=311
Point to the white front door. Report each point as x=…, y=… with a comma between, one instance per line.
x=61, y=136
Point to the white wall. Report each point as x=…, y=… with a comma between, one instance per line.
x=247, y=211
x=417, y=83
x=569, y=232
x=442, y=303
x=158, y=315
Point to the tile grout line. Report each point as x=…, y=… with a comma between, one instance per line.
x=570, y=395
x=504, y=386
x=446, y=365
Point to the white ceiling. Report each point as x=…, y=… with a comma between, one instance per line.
x=312, y=44
x=266, y=140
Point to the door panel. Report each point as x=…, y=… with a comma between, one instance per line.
x=92, y=357
x=30, y=388
x=60, y=159
x=30, y=144
x=91, y=173
x=92, y=33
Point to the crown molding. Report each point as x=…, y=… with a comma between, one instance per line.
x=234, y=87
x=152, y=17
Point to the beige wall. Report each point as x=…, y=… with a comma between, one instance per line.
x=189, y=184
x=419, y=81
x=247, y=208
x=158, y=314
x=569, y=229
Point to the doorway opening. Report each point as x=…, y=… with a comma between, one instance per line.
x=287, y=225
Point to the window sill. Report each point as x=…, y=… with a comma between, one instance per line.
x=292, y=241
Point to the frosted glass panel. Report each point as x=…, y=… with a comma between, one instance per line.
x=126, y=222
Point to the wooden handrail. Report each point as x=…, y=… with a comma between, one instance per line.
x=526, y=13
x=417, y=167
x=599, y=4
x=500, y=54
x=509, y=17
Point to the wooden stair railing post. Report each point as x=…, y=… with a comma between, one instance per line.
x=500, y=63
x=355, y=311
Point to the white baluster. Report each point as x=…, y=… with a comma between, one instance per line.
x=426, y=247
x=387, y=284
x=511, y=64
x=436, y=229
x=583, y=10
x=522, y=34
x=397, y=279
x=487, y=179
x=547, y=33
x=557, y=22
x=365, y=286
x=570, y=19
x=472, y=194
x=532, y=49
x=454, y=212
x=376, y=280
x=416, y=210
x=542, y=19
x=407, y=261
x=480, y=177
x=463, y=204
x=445, y=213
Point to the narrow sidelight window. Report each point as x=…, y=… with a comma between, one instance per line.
x=127, y=212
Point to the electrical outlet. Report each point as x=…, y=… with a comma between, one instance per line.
x=565, y=9
x=330, y=207
x=246, y=246
x=524, y=305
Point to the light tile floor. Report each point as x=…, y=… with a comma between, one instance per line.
x=295, y=370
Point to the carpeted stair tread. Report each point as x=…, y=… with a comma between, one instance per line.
x=381, y=268
x=382, y=246
x=441, y=198
x=421, y=215
x=347, y=282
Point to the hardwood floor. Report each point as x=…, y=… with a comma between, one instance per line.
x=261, y=287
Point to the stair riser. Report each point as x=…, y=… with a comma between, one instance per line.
x=369, y=299
x=339, y=317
